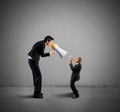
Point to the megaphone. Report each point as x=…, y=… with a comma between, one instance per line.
x=59, y=50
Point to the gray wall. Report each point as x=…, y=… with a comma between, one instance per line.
x=89, y=29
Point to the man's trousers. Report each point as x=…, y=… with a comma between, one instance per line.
x=37, y=76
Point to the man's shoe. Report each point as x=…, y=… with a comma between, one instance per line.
x=40, y=96
x=75, y=96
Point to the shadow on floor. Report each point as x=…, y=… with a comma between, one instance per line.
x=25, y=96
x=65, y=95
x=62, y=95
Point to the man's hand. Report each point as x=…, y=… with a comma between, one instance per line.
x=52, y=52
x=70, y=59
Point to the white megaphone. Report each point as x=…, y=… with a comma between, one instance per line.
x=59, y=50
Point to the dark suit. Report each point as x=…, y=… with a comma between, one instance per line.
x=75, y=76
x=35, y=53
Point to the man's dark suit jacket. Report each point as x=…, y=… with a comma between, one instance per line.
x=75, y=71
x=38, y=50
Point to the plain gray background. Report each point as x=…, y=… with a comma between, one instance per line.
x=86, y=28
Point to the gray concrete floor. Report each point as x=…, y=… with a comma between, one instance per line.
x=58, y=99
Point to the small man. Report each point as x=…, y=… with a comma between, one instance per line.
x=75, y=75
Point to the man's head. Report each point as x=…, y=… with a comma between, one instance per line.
x=48, y=40
x=78, y=60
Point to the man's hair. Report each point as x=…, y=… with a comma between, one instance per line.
x=48, y=38
x=80, y=59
